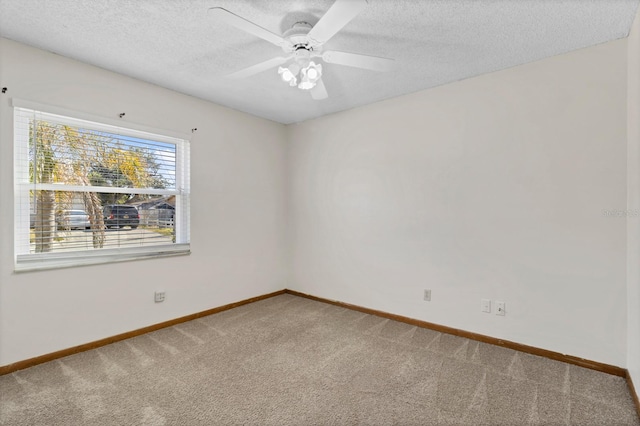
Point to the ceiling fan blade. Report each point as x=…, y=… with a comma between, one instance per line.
x=338, y=15
x=373, y=63
x=258, y=68
x=319, y=91
x=247, y=26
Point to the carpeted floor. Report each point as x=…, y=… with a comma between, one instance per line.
x=292, y=361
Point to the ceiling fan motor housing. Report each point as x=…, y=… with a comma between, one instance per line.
x=298, y=41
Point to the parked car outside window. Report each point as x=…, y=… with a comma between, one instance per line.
x=119, y=215
x=73, y=219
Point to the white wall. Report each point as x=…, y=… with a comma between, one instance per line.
x=238, y=169
x=492, y=187
x=633, y=221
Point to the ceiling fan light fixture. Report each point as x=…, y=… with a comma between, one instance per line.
x=288, y=76
x=306, y=85
x=310, y=75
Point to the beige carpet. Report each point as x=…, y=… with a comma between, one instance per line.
x=292, y=361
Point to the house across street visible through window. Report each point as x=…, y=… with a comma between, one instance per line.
x=88, y=192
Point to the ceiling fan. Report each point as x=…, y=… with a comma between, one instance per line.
x=302, y=45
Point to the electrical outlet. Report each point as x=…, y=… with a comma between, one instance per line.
x=159, y=296
x=485, y=305
x=427, y=295
x=500, y=309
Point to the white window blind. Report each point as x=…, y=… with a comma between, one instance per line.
x=88, y=192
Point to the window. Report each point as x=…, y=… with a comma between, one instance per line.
x=89, y=192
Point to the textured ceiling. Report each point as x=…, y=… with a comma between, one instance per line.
x=178, y=45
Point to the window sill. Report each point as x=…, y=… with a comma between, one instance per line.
x=44, y=261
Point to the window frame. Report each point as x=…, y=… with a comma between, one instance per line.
x=24, y=260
